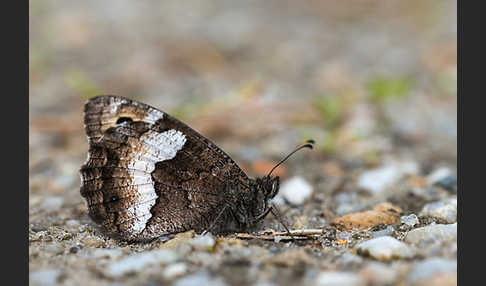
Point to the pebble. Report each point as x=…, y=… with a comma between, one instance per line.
x=384, y=213
x=296, y=190
x=93, y=241
x=445, y=210
x=384, y=232
x=347, y=203
x=174, y=270
x=138, y=261
x=75, y=249
x=430, y=268
x=448, y=183
x=203, y=242
x=385, y=248
x=198, y=279
x=331, y=278
x=44, y=277
x=438, y=175
x=52, y=204
x=432, y=233
x=181, y=239
x=379, y=179
x=409, y=220
x=350, y=260
x=291, y=258
x=73, y=223
x=377, y=273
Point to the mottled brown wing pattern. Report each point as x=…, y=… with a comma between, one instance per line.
x=148, y=174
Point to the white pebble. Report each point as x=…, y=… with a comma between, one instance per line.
x=384, y=232
x=174, y=270
x=51, y=204
x=409, y=220
x=438, y=175
x=432, y=233
x=203, y=242
x=377, y=273
x=138, y=261
x=296, y=190
x=44, y=277
x=446, y=210
x=73, y=223
x=198, y=279
x=331, y=278
x=430, y=267
x=385, y=248
x=379, y=179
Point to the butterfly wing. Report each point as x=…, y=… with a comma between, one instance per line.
x=148, y=174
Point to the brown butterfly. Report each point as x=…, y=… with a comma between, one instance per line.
x=148, y=174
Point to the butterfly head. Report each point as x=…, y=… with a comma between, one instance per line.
x=268, y=186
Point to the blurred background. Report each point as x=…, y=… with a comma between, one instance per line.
x=372, y=82
x=363, y=78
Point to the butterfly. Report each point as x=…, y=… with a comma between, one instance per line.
x=148, y=174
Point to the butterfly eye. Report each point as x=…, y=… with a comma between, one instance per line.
x=123, y=120
x=114, y=198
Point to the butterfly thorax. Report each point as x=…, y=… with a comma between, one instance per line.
x=250, y=208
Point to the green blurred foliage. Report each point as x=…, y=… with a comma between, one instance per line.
x=331, y=110
x=82, y=85
x=383, y=88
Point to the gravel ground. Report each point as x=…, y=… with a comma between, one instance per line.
x=374, y=84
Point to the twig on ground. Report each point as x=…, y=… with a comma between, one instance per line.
x=299, y=234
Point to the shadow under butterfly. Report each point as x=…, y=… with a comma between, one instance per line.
x=147, y=174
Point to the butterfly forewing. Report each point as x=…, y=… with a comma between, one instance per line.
x=148, y=174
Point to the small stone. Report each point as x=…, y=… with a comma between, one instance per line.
x=349, y=259
x=409, y=220
x=93, y=242
x=377, y=273
x=52, y=204
x=75, y=249
x=444, y=210
x=448, y=183
x=203, y=242
x=385, y=248
x=432, y=233
x=291, y=258
x=438, y=175
x=198, y=279
x=174, y=270
x=296, y=190
x=330, y=278
x=73, y=223
x=430, y=268
x=44, y=277
x=379, y=179
x=138, y=261
x=179, y=239
x=384, y=213
x=384, y=232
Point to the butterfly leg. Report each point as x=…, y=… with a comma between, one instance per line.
x=276, y=212
x=211, y=227
x=263, y=215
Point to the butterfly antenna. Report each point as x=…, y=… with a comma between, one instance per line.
x=308, y=144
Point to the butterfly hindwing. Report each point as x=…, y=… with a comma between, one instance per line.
x=148, y=174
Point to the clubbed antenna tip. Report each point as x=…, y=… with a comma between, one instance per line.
x=309, y=144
